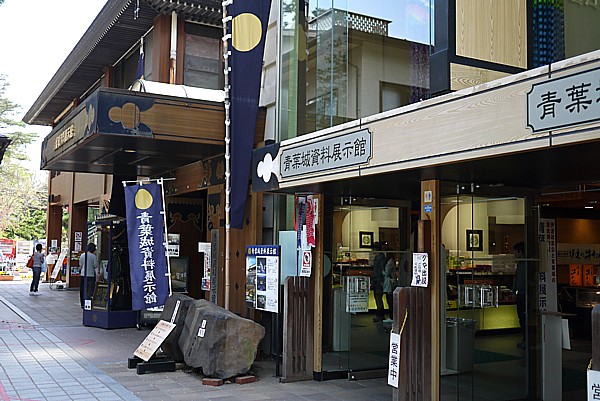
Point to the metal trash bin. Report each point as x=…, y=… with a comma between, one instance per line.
x=460, y=338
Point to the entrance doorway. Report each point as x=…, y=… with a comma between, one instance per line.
x=371, y=246
x=485, y=286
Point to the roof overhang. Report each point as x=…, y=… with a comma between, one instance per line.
x=132, y=133
x=117, y=28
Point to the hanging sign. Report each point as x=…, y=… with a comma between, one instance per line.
x=420, y=276
x=264, y=261
x=146, y=236
x=394, y=360
x=306, y=264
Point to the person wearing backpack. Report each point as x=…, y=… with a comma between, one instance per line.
x=38, y=260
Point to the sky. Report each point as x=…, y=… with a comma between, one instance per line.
x=36, y=36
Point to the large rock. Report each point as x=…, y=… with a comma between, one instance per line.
x=171, y=344
x=218, y=341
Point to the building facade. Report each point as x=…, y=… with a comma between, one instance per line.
x=459, y=129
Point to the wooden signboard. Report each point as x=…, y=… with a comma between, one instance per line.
x=154, y=340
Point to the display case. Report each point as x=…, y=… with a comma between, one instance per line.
x=587, y=297
x=111, y=300
x=179, y=274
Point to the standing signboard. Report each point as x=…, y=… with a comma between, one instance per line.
x=263, y=260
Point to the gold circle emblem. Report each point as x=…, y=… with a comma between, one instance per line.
x=143, y=199
x=246, y=32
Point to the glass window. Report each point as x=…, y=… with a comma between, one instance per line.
x=564, y=29
x=335, y=54
x=202, y=62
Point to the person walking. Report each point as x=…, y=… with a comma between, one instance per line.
x=88, y=262
x=38, y=260
x=389, y=285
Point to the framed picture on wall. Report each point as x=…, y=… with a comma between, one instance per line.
x=474, y=240
x=365, y=239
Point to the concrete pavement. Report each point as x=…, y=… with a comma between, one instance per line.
x=47, y=354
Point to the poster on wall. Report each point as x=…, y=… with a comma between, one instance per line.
x=357, y=294
x=204, y=248
x=173, y=241
x=262, y=261
x=420, y=276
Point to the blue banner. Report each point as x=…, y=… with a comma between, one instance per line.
x=248, y=30
x=147, y=258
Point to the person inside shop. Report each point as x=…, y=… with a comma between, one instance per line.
x=88, y=263
x=38, y=260
x=389, y=285
x=377, y=280
x=519, y=289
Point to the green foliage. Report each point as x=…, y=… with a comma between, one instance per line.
x=22, y=197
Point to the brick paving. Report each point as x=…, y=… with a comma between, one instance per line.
x=47, y=354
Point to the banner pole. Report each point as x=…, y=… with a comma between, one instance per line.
x=227, y=69
x=165, y=229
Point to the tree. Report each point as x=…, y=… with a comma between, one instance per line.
x=22, y=197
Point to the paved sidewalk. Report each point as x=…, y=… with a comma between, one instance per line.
x=47, y=354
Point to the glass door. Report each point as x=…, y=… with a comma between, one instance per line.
x=482, y=344
x=371, y=249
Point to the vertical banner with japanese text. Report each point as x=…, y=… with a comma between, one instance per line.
x=147, y=256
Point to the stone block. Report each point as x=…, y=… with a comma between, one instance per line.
x=171, y=344
x=218, y=341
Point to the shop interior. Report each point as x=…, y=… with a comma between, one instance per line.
x=481, y=347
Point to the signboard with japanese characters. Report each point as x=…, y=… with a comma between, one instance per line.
x=204, y=248
x=548, y=277
x=543, y=291
x=154, y=340
x=344, y=150
x=578, y=253
x=357, y=294
x=593, y=385
x=394, y=360
x=420, y=276
x=262, y=261
x=565, y=101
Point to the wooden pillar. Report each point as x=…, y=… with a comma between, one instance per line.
x=77, y=223
x=53, y=227
x=161, y=42
x=430, y=211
